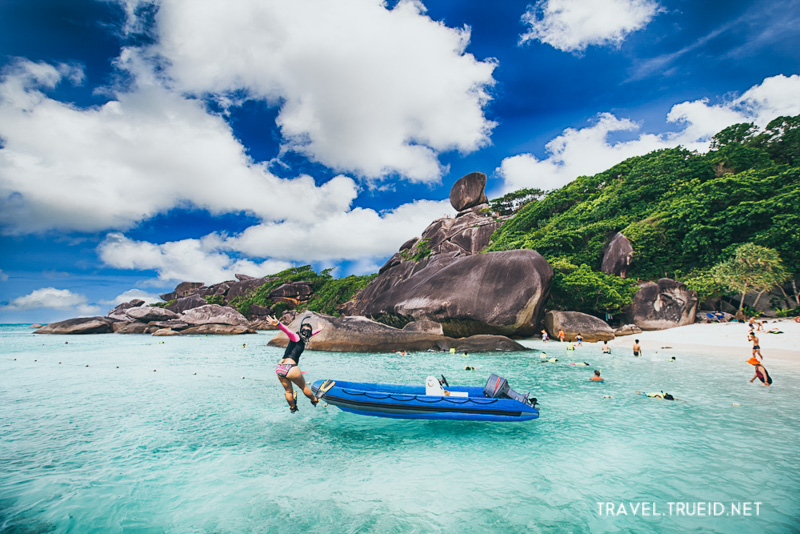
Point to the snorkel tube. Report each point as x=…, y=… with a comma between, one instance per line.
x=305, y=329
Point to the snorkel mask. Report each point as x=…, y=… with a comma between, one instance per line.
x=305, y=330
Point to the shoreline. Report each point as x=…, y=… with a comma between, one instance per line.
x=720, y=339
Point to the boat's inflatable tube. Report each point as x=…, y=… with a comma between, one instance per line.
x=412, y=402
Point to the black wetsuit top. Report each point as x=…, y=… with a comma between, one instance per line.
x=294, y=349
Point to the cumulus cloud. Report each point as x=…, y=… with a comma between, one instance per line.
x=361, y=88
x=573, y=25
x=197, y=260
x=130, y=295
x=3, y=276
x=357, y=234
x=52, y=298
x=588, y=150
x=136, y=156
x=360, y=235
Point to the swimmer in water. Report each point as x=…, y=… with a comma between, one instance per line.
x=596, y=376
x=659, y=395
x=761, y=372
x=637, y=349
x=606, y=348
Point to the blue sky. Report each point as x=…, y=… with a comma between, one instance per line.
x=143, y=143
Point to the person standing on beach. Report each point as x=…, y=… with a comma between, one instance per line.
x=287, y=369
x=579, y=340
x=544, y=335
x=756, y=347
x=561, y=335
x=637, y=349
x=761, y=372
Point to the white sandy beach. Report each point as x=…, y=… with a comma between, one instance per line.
x=728, y=339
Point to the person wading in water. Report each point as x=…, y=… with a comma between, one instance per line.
x=287, y=370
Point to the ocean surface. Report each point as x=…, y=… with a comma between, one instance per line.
x=115, y=433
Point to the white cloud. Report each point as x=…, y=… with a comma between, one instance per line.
x=195, y=260
x=3, y=276
x=588, y=150
x=572, y=25
x=361, y=88
x=357, y=234
x=52, y=298
x=130, y=295
x=361, y=235
x=144, y=153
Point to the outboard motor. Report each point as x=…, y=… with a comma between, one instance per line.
x=497, y=388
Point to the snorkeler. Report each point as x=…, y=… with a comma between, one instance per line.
x=287, y=369
x=761, y=372
x=659, y=395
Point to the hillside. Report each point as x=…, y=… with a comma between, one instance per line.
x=682, y=211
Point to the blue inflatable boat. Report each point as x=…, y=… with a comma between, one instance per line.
x=433, y=400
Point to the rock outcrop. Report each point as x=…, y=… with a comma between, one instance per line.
x=589, y=327
x=187, y=303
x=627, y=330
x=183, y=289
x=80, y=325
x=617, y=256
x=151, y=313
x=214, y=314
x=359, y=334
x=663, y=304
x=492, y=293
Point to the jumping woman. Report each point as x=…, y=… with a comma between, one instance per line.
x=287, y=370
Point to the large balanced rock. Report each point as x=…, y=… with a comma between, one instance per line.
x=492, y=293
x=573, y=323
x=468, y=191
x=617, y=256
x=663, y=304
x=359, y=334
x=151, y=313
x=80, y=325
x=214, y=314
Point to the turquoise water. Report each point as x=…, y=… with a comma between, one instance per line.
x=193, y=435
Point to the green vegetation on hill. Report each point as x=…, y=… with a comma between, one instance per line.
x=327, y=292
x=683, y=212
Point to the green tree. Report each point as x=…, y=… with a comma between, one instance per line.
x=578, y=288
x=752, y=268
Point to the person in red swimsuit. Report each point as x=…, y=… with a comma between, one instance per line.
x=287, y=369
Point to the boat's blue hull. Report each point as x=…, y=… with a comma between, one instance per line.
x=410, y=402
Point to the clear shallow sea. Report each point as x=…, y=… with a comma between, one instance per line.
x=205, y=443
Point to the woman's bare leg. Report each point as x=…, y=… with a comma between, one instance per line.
x=296, y=376
x=287, y=385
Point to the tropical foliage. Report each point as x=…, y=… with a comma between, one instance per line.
x=683, y=212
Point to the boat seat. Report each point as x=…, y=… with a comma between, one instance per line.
x=434, y=388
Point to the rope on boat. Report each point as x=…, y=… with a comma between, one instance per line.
x=410, y=397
